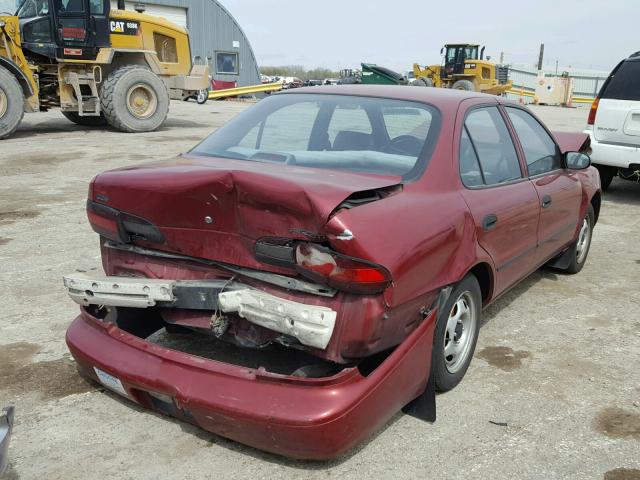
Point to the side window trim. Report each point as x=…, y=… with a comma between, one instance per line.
x=519, y=147
x=514, y=141
x=475, y=153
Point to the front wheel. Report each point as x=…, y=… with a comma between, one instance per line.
x=582, y=243
x=11, y=103
x=456, y=334
x=134, y=99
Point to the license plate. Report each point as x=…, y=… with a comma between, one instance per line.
x=111, y=382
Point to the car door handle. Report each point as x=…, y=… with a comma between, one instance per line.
x=489, y=222
x=546, y=201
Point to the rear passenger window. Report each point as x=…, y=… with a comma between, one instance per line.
x=624, y=82
x=487, y=154
x=539, y=148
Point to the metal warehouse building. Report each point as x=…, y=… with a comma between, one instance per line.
x=215, y=35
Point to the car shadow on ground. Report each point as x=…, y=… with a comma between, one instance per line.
x=623, y=192
x=231, y=445
x=28, y=131
x=519, y=289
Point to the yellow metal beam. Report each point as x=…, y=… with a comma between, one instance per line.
x=525, y=93
x=233, y=92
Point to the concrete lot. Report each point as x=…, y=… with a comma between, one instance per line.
x=557, y=359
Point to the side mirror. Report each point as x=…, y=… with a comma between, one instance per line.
x=577, y=160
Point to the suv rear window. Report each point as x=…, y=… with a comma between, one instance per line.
x=361, y=134
x=624, y=82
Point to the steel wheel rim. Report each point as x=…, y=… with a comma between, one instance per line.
x=584, y=237
x=142, y=101
x=458, y=337
x=202, y=95
x=4, y=103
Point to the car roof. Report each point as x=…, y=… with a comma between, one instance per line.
x=445, y=97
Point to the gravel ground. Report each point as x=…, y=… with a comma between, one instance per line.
x=554, y=390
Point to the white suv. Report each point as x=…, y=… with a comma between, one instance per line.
x=614, y=124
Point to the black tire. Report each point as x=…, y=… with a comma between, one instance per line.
x=85, y=121
x=114, y=98
x=446, y=373
x=578, y=260
x=202, y=96
x=422, y=82
x=606, y=175
x=11, y=103
x=464, y=85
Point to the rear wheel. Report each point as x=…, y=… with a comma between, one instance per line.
x=202, y=97
x=456, y=334
x=464, y=85
x=606, y=175
x=11, y=103
x=134, y=99
x=86, y=121
x=423, y=82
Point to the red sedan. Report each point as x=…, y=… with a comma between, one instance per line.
x=353, y=233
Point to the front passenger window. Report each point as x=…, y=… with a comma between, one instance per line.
x=539, y=148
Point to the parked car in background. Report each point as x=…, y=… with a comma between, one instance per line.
x=614, y=124
x=354, y=232
x=312, y=83
x=6, y=426
x=291, y=82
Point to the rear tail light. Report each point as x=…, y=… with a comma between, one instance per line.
x=592, y=113
x=339, y=271
x=121, y=226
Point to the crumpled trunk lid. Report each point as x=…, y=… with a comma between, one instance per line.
x=217, y=208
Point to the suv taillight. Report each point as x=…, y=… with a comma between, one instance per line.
x=339, y=271
x=592, y=113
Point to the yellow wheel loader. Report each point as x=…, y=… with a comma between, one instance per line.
x=100, y=66
x=464, y=68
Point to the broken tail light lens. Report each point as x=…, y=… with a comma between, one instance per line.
x=104, y=220
x=339, y=271
x=120, y=226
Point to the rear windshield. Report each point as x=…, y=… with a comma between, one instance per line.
x=624, y=82
x=339, y=132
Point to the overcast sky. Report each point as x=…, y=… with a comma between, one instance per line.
x=589, y=34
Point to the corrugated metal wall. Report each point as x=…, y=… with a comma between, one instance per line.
x=213, y=29
x=585, y=83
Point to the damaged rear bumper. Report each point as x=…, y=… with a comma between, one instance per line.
x=312, y=325
x=307, y=418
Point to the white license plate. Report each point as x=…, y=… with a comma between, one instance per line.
x=111, y=382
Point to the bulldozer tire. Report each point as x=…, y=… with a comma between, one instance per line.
x=134, y=99
x=464, y=85
x=11, y=103
x=86, y=121
x=423, y=82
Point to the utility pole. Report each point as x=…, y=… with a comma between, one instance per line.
x=541, y=56
x=501, y=58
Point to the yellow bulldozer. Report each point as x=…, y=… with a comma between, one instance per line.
x=100, y=66
x=464, y=68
